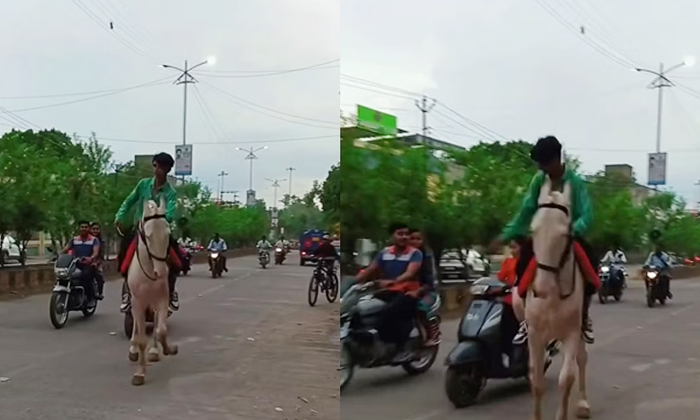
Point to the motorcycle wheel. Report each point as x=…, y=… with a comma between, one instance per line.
x=650, y=298
x=602, y=298
x=128, y=325
x=424, y=364
x=58, y=311
x=332, y=289
x=618, y=295
x=662, y=301
x=313, y=291
x=87, y=313
x=347, y=366
x=463, y=384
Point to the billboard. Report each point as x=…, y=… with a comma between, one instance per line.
x=250, y=200
x=657, y=169
x=183, y=159
x=375, y=121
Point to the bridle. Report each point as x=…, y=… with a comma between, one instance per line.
x=142, y=237
x=556, y=270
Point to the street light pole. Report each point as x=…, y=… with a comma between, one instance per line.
x=660, y=83
x=275, y=185
x=290, y=169
x=221, y=175
x=251, y=156
x=186, y=78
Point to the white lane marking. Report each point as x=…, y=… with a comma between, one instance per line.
x=641, y=368
x=187, y=340
x=430, y=415
x=662, y=362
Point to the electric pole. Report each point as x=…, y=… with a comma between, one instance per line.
x=275, y=185
x=290, y=169
x=221, y=175
x=251, y=156
x=424, y=108
x=184, y=79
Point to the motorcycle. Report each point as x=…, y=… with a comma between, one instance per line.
x=264, y=258
x=68, y=292
x=485, y=349
x=361, y=345
x=186, y=260
x=612, y=279
x=657, y=285
x=280, y=255
x=216, y=264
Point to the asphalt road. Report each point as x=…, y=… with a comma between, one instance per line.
x=645, y=365
x=250, y=348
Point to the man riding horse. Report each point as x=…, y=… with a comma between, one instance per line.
x=149, y=189
x=547, y=153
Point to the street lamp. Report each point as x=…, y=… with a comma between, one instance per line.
x=186, y=78
x=661, y=82
x=251, y=156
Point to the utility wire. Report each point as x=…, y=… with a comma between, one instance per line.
x=264, y=73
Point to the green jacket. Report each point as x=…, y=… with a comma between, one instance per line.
x=144, y=192
x=581, y=208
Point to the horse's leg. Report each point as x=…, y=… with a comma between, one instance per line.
x=161, y=330
x=153, y=352
x=567, y=376
x=583, y=410
x=536, y=351
x=133, y=348
x=138, y=309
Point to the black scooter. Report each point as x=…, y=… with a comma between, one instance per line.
x=612, y=280
x=657, y=284
x=485, y=349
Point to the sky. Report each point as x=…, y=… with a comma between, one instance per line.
x=523, y=69
x=246, y=99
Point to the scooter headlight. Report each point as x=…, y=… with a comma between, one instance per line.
x=60, y=272
x=651, y=275
x=478, y=289
x=215, y=255
x=604, y=270
x=278, y=250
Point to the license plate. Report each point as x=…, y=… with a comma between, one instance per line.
x=316, y=239
x=344, y=330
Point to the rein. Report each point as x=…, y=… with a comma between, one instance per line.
x=568, y=248
x=142, y=237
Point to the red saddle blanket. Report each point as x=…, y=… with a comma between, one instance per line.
x=131, y=251
x=589, y=273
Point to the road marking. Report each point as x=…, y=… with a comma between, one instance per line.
x=187, y=340
x=641, y=368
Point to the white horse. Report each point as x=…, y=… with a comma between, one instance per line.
x=148, y=284
x=554, y=303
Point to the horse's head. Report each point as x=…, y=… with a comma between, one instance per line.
x=156, y=235
x=551, y=226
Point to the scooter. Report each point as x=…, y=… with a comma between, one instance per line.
x=360, y=344
x=279, y=256
x=485, y=349
x=612, y=279
x=263, y=258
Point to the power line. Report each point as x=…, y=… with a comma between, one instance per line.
x=241, y=102
x=265, y=73
x=148, y=84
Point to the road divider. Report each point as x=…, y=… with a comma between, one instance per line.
x=32, y=279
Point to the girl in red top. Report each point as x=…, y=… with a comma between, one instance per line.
x=507, y=275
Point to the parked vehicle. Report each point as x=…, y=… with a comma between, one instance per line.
x=452, y=267
x=68, y=293
x=11, y=252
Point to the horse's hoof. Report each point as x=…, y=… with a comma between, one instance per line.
x=134, y=357
x=138, y=380
x=173, y=350
x=583, y=412
x=153, y=357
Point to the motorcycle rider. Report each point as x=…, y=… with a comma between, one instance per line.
x=547, y=153
x=282, y=244
x=399, y=266
x=87, y=247
x=217, y=244
x=659, y=259
x=149, y=189
x=428, y=293
x=616, y=257
x=263, y=246
x=96, y=231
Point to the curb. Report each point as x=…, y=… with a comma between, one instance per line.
x=34, y=279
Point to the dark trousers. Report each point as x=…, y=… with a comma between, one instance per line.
x=396, y=321
x=88, y=281
x=129, y=238
x=527, y=253
x=100, y=281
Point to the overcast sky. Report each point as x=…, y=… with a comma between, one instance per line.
x=514, y=68
x=62, y=47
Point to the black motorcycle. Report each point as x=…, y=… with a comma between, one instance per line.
x=186, y=260
x=612, y=282
x=657, y=284
x=216, y=264
x=280, y=255
x=485, y=349
x=264, y=258
x=361, y=345
x=69, y=293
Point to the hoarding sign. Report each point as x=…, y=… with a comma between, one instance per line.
x=375, y=121
x=657, y=169
x=183, y=159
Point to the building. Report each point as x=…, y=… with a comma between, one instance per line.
x=639, y=192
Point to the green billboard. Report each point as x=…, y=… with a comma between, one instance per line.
x=375, y=121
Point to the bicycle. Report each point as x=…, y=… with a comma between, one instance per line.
x=320, y=280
